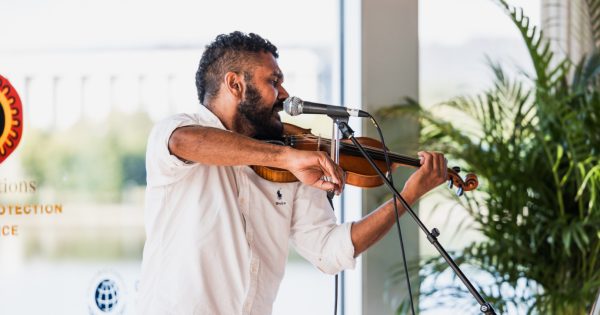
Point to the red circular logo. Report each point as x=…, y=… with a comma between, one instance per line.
x=11, y=119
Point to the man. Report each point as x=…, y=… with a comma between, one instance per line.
x=217, y=233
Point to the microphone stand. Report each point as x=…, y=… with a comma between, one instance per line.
x=335, y=140
x=335, y=156
x=485, y=307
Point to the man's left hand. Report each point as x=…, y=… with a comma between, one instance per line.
x=432, y=173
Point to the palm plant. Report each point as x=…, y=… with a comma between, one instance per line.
x=535, y=145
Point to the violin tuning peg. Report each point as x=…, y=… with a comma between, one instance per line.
x=450, y=183
x=456, y=169
x=460, y=191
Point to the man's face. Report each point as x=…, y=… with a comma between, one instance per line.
x=258, y=111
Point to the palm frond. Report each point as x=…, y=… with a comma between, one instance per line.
x=539, y=49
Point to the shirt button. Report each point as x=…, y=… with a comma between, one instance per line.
x=254, y=267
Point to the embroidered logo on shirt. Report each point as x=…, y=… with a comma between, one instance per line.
x=279, y=197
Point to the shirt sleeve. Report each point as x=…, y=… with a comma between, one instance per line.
x=316, y=235
x=162, y=167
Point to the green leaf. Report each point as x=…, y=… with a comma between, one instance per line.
x=566, y=237
x=559, y=154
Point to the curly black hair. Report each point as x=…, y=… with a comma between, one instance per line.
x=228, y=52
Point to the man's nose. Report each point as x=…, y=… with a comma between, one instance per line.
x=283, y=94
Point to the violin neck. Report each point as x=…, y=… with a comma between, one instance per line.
x=377, y=154
x=395, y=158
x=350, y=149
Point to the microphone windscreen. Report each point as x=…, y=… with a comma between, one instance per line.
x=292, y=106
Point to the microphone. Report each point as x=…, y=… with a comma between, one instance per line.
x=296, y=106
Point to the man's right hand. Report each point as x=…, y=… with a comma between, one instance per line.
x=315, y=168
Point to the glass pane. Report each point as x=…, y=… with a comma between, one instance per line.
x=455, y=39
x=93, y=78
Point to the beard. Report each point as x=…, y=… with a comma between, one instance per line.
x=258, y=120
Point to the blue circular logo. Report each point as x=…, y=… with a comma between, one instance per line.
x=107, y=295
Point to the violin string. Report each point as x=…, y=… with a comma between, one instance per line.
x=375, y=152
x=328, y=142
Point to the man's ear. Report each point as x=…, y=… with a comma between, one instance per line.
x=234, y=84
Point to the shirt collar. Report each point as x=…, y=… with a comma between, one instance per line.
x=210, y=117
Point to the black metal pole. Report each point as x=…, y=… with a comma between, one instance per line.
x=485, y=307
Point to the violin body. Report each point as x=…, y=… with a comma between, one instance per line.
x=358, y=170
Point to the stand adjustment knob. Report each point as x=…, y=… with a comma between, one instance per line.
x=435, y=232
x=487, y=309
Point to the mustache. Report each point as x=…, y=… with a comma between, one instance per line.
x=278, y=106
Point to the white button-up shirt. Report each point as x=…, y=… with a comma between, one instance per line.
x=217, y=236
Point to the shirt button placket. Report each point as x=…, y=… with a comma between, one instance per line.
x=254, y=267
x=254, y=263
x=250, y=237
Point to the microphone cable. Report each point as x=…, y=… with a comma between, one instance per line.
x=391, y=179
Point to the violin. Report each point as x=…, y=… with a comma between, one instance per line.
x=358, y=170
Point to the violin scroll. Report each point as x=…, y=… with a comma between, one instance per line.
x=470, y=182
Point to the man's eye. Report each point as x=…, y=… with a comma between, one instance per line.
x=274, y=82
